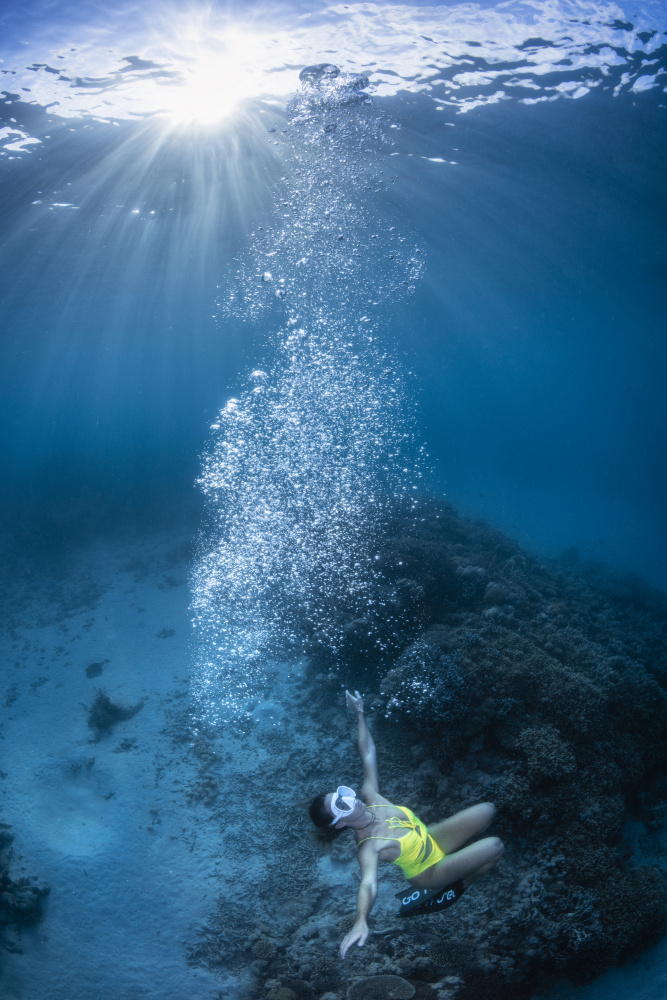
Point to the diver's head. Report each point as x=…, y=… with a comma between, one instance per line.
x=336, y=809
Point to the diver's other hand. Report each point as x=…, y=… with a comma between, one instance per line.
x=354, y=701
x=358, y=934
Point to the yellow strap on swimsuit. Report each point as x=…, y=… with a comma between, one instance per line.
x=419, y=850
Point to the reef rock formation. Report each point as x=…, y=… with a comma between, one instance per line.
x=487, y=674
x=541, y=686
x=381, y=988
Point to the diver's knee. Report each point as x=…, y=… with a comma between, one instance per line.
x=496, y=847
x=487, y=812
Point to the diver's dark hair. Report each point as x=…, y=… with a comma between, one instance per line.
x=318, y=812
x=322, y=819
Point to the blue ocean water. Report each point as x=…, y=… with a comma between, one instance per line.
x=241, y=313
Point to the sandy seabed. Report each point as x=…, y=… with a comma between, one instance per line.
x=102, y=816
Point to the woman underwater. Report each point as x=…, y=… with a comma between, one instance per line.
x=431, y=857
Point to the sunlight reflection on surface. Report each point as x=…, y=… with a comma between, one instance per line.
x=199, y=64
x=219, y=76
x=188, y=66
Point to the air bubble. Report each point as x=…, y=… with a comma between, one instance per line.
x=305, y=464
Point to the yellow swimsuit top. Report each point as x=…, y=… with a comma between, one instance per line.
x=419, y=850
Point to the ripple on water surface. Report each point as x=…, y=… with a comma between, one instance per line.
x=201, y=65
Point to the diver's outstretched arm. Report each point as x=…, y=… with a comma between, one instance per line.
x=368, y=890
x=366, y=746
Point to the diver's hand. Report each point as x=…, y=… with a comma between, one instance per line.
x=354, y=701
x=358, y=934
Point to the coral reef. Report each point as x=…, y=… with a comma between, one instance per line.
x=381, y=988
x=541, y=686
x=488, y=674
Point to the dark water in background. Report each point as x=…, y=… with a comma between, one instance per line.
x=535, y=335
x=545, y=417
x=530, y=345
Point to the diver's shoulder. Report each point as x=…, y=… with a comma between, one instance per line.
x=374, y=798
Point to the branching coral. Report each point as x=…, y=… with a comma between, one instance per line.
x=548, y=757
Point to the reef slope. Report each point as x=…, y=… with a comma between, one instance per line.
x=489, y=674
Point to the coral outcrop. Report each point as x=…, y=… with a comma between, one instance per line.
x=381, y=988
x=540, y=686
x=487, y=674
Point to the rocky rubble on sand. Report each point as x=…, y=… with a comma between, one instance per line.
x=21, y=898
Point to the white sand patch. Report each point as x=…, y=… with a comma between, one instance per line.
x=103, y=818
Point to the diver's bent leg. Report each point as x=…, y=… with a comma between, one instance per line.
x=452, y=833
x=468, y=864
